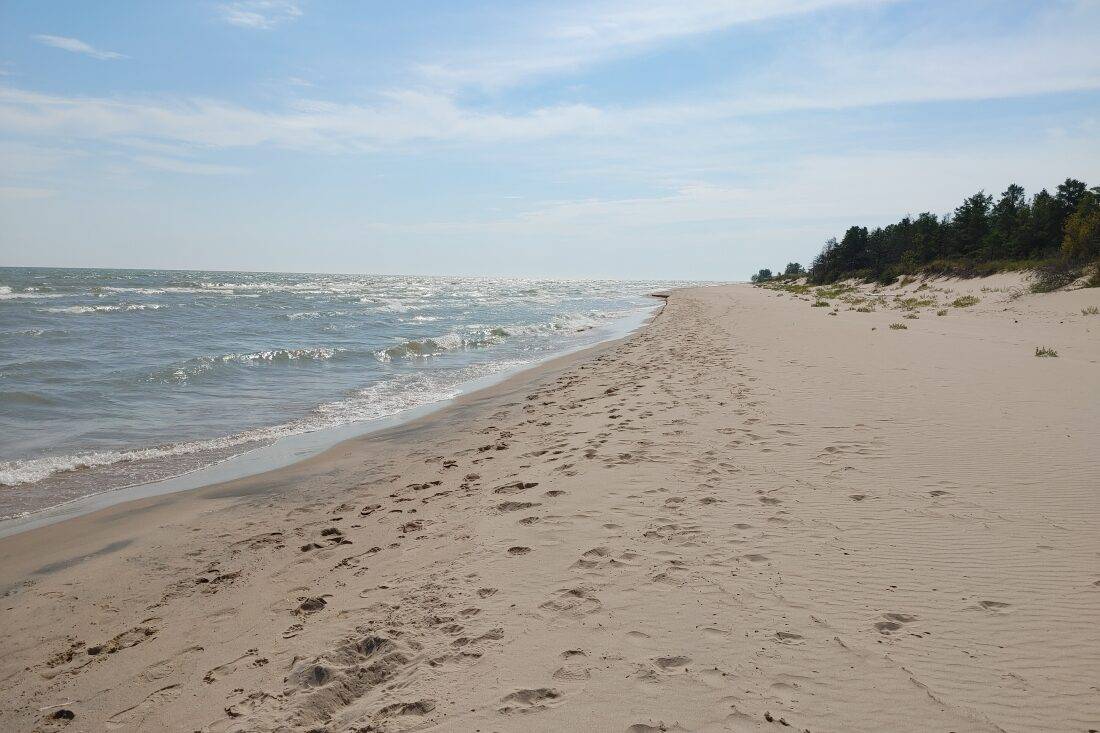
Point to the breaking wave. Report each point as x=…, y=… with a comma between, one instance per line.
x=124, y=308
x=428, y=347
x=204, y=364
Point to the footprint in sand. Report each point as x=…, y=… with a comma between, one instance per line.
x=788, y=637
x=515, y=487
x=574, y=602
x=133, y=716
x=992, y=605
x=515, y=506
x=249, y=659
x=125, y=640
x=672, y=662
x=310, y=605
x=527, y=701
x=420, y=707
x=894, y=622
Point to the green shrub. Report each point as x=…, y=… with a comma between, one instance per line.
x=1045, y=351
x=966, y=301
x=1092, y=310
x=820, y=304
x=1054, y=276
x=898, y=326
x=941, y=312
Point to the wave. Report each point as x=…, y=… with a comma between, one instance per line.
x=427, y=347
x=272, y=355
x=203, y=364
x=34, y=332
x=369, y=403
x=6, y=293
x=112, y=289
x=485, y=336
x=124, y=308
x=391, y=305
x=314, y=314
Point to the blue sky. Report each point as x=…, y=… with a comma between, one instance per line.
x=669, y=138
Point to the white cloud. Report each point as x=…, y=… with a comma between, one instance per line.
x=260, y=14
x=400, y=117
x=575, y=36
x=75, y=45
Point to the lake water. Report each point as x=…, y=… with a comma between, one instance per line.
x=110, y=378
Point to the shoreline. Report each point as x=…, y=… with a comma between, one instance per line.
x=289, y=450
x=405, y=425
x=749, y=513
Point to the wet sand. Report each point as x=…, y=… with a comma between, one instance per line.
x=750, y=514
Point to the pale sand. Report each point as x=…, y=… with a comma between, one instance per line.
x=749, y=511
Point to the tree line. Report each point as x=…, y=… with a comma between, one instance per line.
x=1058, y=232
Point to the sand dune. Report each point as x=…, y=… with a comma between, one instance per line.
x=752, y=514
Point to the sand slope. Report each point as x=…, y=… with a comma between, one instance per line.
x=750, y=514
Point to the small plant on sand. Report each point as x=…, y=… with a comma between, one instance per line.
x=834, y=291
x=1092, y=310
x=1045, y=351
x=965, y=301
x=865, y=309
x=820, y=304
x=941, y=312
x=912, y=316
x=912, y=304
x=898, y=326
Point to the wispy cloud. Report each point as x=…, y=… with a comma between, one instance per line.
x=260, y=14
x=75, y=45
x=572, y=37
x=397, y=118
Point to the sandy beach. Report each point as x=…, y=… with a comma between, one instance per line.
x=751, y=514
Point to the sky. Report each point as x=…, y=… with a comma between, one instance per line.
x=696, y=139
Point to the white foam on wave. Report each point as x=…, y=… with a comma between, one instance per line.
x=391, y=305
x=83, y=309
x=436, y=345
x=142, y=291
x=322, y=352
x=314, y=314
x=383, y=399
x=6, y=293
x=203, y=364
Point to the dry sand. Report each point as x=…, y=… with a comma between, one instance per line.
x=753, y=513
